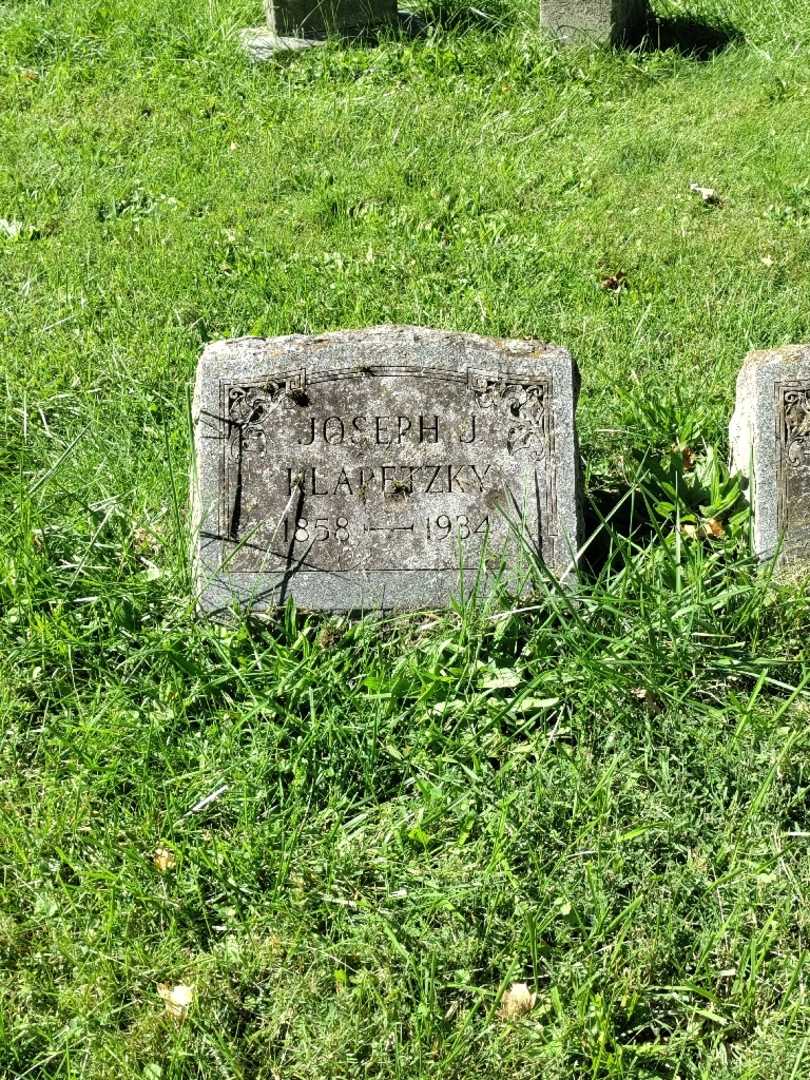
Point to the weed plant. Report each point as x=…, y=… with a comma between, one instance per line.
x=368, y=829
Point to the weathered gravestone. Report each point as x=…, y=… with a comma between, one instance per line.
x=386, y=468
x=298, y=24
x=606, y=21
x=770, y=442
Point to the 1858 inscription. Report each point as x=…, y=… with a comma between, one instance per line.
x=379, y=468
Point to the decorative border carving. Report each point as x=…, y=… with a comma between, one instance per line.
x=246, y=408
x=793, y=441
x=524, y=403
x=249, y=406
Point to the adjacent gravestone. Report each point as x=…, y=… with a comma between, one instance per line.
x=390, y=468
x=605, y=21
x=770, y=441
x=299, y=24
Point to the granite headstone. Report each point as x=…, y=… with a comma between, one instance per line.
x=600, y=21
x=389, y=468
x=770, y=443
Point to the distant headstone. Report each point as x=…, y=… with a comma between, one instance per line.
x=770, y=442
x=602, y=21
x=299, y=24
x=390, y=468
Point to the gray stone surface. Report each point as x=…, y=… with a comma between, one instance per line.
x=601, y=21
x=380, y=469
x=770, y=444
x=261, y=43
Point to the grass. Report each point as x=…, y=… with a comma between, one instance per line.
x=605, y=798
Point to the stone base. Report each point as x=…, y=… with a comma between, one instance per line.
x=260, y=43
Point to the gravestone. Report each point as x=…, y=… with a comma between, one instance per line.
x=299, y=24
x=601, y=21
x=390, y=468
x=770, y=443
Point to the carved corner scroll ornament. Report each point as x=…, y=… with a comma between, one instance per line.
x=524, y=406
x=797, y=427
x=247, y=411
x=250, y=406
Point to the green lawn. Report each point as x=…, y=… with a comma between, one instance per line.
x=606, y=797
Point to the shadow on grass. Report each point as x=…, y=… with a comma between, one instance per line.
x=613, y=518
x=695, y=38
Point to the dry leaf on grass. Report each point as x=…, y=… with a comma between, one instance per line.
x=709, y=195
x=10, y=228
x=177, y=999
x=163, y=859
x=517, y=1001
x=614, y=282
x=714, y=528
x=647, y=698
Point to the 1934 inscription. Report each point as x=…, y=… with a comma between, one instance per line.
x=386, y=465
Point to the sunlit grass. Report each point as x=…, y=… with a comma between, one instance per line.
x=604, y=796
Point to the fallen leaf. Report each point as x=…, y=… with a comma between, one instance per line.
x=10, y=228
x=176, y=998
x=517, y=1001
x=144, y=540
x=714, y=528
x=164, y=859
x=329, y=636
x=614, y=282
x=689, y=531
x=647, y=698
x=709, y=195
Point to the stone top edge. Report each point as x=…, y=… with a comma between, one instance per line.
x=226, y=348
x=791, y=354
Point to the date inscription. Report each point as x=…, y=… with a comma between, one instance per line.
x=321, y=529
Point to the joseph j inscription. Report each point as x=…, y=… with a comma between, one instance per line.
x=386, y=468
